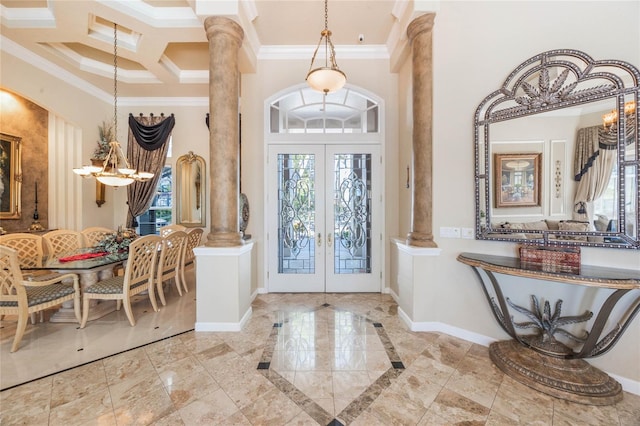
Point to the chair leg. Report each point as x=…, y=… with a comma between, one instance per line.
x=178, y=282
x=161, y=292
x=184, y=281
x=85, y=310
x=118, y=304
x=20, y=328
x=76, y=307
x=152, y=296
x=129, y=311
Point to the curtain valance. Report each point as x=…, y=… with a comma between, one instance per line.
x=151, y=137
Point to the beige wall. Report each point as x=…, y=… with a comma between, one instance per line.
x=24, y=119
x=476, y=45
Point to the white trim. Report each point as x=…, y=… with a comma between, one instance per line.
x=28, y=17
x=223, y=251
x=224, y=326
x=293, y=52
x=628, y=385
x=416, y=251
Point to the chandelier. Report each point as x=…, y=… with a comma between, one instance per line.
x=611, y=118
x=328, y=78
x=115, y=170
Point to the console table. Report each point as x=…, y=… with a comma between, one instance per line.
x=540, y=361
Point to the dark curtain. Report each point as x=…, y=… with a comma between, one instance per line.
x=147, y=151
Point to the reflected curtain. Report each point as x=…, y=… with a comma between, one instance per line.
x=147, y=151
x=595, y=157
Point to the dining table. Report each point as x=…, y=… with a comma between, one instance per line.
x=90, y=264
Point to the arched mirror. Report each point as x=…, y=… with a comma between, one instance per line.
x=190, y=191
x=557, y=157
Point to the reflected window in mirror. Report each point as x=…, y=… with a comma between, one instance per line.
x=579, y=116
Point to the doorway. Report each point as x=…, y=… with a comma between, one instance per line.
x=324, y=207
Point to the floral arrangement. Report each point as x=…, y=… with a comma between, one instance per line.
x=105, y=132
x=118, y=241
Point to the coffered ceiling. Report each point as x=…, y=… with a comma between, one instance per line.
x=162, y=46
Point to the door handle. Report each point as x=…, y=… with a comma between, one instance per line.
x=319, y=239
x=329, y=240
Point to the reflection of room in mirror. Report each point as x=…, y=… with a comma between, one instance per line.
x=577, y=113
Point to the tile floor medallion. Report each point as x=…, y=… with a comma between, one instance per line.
x=295, y=344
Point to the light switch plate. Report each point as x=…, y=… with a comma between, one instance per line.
x=449, y=232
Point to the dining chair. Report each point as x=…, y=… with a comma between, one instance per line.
x=94, y=234
x=62, y=241
x=138, y=277
x=169, y=263
x=166, y=230
x=30, y=251
x=29, y=247
x=25, y=297
x=194, y=236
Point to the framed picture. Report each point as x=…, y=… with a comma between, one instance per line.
x=10, y=176
x=517, y=180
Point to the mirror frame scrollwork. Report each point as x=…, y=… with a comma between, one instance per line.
x=191, y=189
x=551, y=81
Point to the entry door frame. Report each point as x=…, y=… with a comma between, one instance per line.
x=343, y=139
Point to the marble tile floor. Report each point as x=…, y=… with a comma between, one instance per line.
x=302, y=359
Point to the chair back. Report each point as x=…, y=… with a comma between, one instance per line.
x=62, y=241
x=166, y=230
x=93, y=235
x=11, y=288
x=194, y=236
x=142, y=260
x=28, y=246
x=171, y=254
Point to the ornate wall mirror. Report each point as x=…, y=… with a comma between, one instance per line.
x=10, y=176
x=190, y=191
x=557, y=155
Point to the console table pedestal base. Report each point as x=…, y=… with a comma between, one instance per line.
x=572, y=379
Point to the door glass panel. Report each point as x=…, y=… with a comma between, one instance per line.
x=352, y=213
x=296, y=213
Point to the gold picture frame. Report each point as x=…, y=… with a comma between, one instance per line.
x=517, y=179
x=10, y=176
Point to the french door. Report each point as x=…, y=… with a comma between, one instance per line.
x=323, y=214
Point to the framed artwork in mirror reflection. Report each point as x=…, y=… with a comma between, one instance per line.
x=10, y=176
x=517, y=179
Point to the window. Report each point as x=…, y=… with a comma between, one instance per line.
x=159, y=214
x=307, y=111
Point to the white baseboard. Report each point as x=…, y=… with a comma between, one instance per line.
x=224, y=326
x=628, y=385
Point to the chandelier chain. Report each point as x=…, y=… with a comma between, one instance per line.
x=326, y=14
x=115, y=80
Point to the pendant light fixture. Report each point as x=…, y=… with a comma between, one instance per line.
x=115, y=170
x=328, y=78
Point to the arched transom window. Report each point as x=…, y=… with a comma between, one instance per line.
x=307, y=111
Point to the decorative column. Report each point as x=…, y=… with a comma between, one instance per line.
x=225, y=38
x=421, y=39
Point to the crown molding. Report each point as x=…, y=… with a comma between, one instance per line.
x=305, y=52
